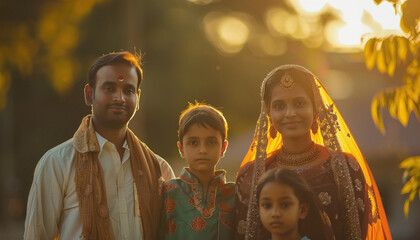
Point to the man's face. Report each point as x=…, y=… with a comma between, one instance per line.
x=115, y=97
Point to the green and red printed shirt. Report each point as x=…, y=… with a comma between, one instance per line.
x=187, y=215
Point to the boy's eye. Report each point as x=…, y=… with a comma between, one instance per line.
x=212, y=142
x=192, y=142
x=285, y=205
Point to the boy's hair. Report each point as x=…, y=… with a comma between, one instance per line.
x=313, y=225
x=116, y=58
x=203, y=115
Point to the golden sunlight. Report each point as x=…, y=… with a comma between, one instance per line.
x=228, y=33
x=355, y=19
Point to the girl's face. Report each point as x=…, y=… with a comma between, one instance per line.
x=291, y=111
x=280, y=210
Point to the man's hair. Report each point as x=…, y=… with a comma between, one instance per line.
x=116, y=58
x=203, y=115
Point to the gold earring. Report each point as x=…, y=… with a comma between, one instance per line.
x=273, y=132
x=314, y=127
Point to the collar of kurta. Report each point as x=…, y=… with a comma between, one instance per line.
x=188, y=177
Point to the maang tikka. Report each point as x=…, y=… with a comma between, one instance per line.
x=287, y=81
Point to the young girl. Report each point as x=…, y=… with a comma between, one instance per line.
x=288, y=209
x=199, y=204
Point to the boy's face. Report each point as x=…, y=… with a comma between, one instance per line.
x=202, y=148
x=280, y=209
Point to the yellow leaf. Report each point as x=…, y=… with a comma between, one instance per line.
x=370, y=53
x=380, y=60
x=376, y=112
x=402, y=108
x=402, y=47
x=391, y=56
x=406, y=207
x=408, y=186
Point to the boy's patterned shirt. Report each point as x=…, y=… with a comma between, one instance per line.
x=187, y=215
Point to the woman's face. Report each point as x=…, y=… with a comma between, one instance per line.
x=291, y=111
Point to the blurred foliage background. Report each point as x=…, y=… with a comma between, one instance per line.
x=217, y=51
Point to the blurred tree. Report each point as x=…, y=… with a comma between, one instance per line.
x=399, y=54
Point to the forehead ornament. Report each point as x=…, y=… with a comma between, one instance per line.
x=120, y=78
x=287, y=81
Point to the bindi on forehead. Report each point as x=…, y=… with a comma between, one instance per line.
x=120, y=78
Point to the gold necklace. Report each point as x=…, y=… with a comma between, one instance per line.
x=298, y=159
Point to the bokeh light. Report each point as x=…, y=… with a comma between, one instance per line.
x=228, y=32
x=339, y=84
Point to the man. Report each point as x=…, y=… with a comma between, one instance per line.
x=104, y=183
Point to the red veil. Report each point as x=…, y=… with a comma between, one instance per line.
x=333, y=134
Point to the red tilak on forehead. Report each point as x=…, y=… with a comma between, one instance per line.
x=120, y=78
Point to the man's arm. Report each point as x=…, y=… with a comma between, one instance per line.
x=167, y=172
x=45, y=199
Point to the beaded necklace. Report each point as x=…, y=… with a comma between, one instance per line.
x=297, y=159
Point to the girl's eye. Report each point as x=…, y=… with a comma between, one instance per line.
x=266, y=205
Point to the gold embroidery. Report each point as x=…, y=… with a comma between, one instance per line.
x=358, y=185
x=361, y=204
x=325, y=198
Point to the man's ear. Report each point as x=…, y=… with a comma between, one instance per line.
x=180, y=149
x=88, y=94
x=138, y=100
x=224, y=147
x=304, y=209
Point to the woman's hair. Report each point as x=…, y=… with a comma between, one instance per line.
x=203, y=115
x=301, y=78
x=312, y=226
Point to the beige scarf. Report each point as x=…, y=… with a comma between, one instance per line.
x=91, y=189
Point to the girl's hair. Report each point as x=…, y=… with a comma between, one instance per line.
x=301, y=78
x=313, y=225
x=287, y=177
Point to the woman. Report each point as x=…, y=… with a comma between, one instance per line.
x=300, y=128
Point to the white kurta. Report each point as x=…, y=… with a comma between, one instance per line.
x=53, y=206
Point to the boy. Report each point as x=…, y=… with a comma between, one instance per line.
x=199, y=204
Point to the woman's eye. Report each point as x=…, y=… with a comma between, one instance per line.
x=278, y=106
